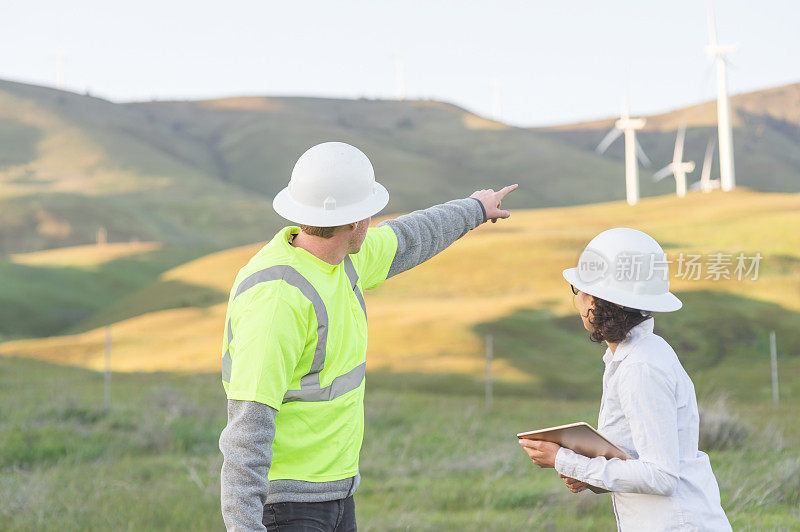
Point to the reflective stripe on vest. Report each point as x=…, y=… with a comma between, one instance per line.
x=310, y=389
x=353, y=276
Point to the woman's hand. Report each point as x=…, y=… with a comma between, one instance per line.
x=543, y=453
x=575, y=486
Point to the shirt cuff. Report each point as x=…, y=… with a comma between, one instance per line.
x=483, y=209
x=571, y=464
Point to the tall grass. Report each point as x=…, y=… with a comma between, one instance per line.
x=432, y=459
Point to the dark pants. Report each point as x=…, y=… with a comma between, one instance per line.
x=330, y=516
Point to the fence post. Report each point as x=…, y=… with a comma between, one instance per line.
x=489, y=354
x=773, y=355
x=107, y=378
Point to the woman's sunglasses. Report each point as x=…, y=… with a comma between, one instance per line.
x=574, y=290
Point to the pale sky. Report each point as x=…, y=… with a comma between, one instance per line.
x=555, y=62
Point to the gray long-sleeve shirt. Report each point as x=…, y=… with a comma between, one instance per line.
x=246, y=441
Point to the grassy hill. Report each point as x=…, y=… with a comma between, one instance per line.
x=201, y=174
x=433, y=458
x=49, y=292
x=422, y=150
x=431, y=321
x=183, y=189
x=70, y=164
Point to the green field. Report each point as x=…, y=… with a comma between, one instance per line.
x=433, y=458
x=47, y=293
x=431, y=461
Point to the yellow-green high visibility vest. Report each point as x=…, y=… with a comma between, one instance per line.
x=296, y=340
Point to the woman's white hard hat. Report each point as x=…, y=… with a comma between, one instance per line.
x=627, y=267
x=332, y=184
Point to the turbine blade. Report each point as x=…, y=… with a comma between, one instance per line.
x=706, y=172
x=642, y=157
x=712, y=25
x=664, y=172
x=608, y=140
x=677, y=156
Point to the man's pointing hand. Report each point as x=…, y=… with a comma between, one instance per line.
x=491, y=202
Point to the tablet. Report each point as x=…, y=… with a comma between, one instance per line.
x=579, y=437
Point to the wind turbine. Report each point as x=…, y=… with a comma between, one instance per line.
x=717, y=52
x=60, y=55
x=677, y=167
x=497, y=108
x=706, y=184
x=400, y=78
x=633, y=149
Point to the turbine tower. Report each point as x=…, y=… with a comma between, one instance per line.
x=717, y=52
x=677, y=167
x=60, y=55
x=497, y=109
x=633, y=150
x=400, y=78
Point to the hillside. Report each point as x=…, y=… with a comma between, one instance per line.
x=48, y=292
x=429, y=437
x=201, y=174
x=423, y=151
x=429, y=323
x=425, y=374
x=70, y=164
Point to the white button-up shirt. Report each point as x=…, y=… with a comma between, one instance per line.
x=649, y=410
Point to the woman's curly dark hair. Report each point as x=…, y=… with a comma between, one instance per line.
x=611, y=323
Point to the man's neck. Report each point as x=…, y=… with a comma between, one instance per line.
x=326, y=249
x=612, y=346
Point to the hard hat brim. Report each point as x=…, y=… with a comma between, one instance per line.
x=666, y=302
x=298, y=213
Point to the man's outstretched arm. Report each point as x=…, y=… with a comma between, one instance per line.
x=423, y=234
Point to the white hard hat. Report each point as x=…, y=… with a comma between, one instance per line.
x=626, y=267
x=332, y=184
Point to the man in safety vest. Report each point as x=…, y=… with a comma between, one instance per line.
x=295, y=340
